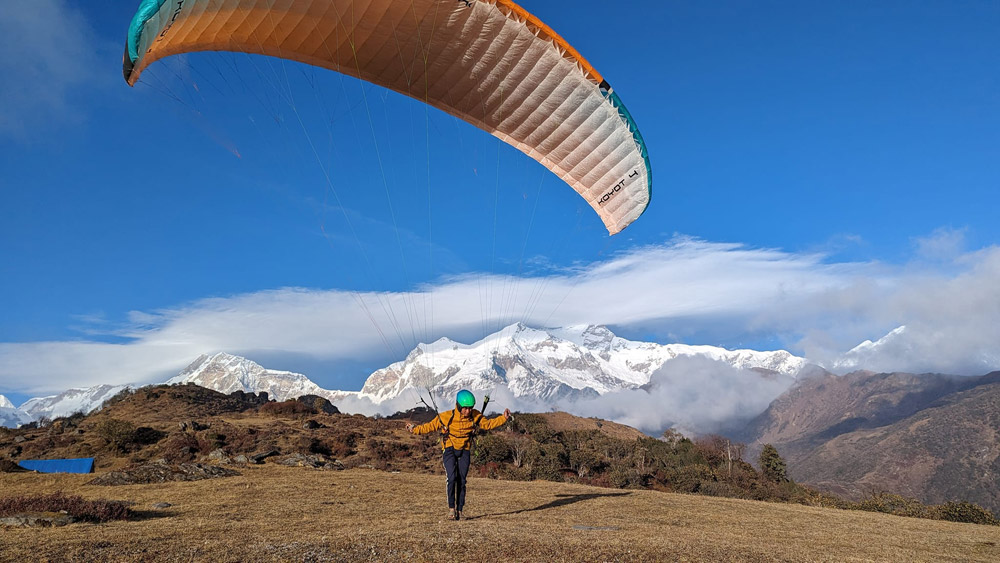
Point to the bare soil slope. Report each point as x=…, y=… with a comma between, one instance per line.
x=276, y=513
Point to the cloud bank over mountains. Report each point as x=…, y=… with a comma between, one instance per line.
x=948, y=300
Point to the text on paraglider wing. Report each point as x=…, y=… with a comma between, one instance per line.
x=177, y=12
x=617, y=188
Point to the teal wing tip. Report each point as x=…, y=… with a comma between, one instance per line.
x=640, y=144
x=127, y=66
x=147, y=9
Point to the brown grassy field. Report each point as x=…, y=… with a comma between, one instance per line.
x=275, y=513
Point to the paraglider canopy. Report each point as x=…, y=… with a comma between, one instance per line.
x=488, y=62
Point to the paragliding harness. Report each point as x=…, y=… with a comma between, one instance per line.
x=446, y=431
x=475, y=428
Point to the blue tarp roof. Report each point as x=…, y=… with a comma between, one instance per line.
x=78, y=465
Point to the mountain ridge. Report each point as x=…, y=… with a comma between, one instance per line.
x=929, y=436
x=577, y=362
x=227, y=373
x=572, y=362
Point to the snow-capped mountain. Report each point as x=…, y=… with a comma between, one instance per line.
x=570, y=363
x=10, y=416
x=227, y=373
x=69, y=402
x=864, y=353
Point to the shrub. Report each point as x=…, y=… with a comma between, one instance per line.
x=689, y=478
x=382, y=453
x=180, y=446
x=521, y=449
x=545, y=462
x=287, y=408
x=145, y=435
x=118, y=397
x=310, y=445
x=890, y=503
x=244, y=439
x=341, y=444
x=585, y=461
x=90, y=510
x=491, y=448
x=215, y=440
x=491, y=470
x=534, y=426
x=961, y=511
x=119, y=434
x=721, y=489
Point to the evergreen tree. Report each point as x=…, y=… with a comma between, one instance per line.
x=772, y=465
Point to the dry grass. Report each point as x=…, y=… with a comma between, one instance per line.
x=274, y=513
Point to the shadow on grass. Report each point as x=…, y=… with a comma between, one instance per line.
x=143, y=515
x=562, y=500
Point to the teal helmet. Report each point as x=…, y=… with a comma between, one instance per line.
x=465, y=398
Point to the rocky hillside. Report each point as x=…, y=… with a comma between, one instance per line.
x=929, y=436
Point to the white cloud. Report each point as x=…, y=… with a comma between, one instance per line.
x=942, y=244
x=48, y=55
x=693, y=395
x=821, y=309
x=690, y=394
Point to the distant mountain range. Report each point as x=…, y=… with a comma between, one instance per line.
x=574, y=362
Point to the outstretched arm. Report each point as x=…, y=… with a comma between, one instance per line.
x=490, y=424
x=431, y=426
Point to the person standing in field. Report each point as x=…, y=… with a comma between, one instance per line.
x=458, y=427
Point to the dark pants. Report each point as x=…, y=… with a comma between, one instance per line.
x=456, y=465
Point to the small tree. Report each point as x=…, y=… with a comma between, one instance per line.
x=520, y=446
x=772, y=465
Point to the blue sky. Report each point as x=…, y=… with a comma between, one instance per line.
x=822, y=174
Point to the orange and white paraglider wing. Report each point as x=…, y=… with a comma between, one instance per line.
x=488, y=62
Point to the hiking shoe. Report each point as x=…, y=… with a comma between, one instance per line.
x=458, y=515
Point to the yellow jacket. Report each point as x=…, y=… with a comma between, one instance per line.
x=459, y=429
